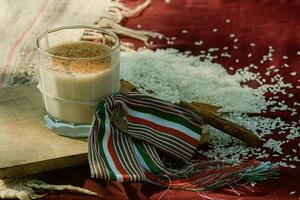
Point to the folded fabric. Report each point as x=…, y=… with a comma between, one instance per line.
x=135, y=137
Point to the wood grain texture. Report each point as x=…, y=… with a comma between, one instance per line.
x=26, y=145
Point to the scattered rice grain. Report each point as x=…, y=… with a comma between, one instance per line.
x=184, y=31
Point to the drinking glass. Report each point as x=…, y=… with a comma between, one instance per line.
x=71, y=87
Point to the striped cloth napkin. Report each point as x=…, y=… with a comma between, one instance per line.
x=135, y=137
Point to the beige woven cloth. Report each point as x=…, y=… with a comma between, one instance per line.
x=19, y=60
x=24, y=189
x=23, y=21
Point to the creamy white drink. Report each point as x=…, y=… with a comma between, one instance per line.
x=78, y=76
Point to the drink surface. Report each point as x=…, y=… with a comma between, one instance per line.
x=80, y=50
x=80, y=58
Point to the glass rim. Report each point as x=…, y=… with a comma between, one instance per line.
x=110, y=33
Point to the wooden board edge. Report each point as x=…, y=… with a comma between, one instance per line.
x=43, y=166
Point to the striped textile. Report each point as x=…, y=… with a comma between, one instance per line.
x=133, y=137
x=152, y=124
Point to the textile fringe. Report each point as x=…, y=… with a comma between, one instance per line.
x=213, y=175
x=27, y=188
x=116, y=12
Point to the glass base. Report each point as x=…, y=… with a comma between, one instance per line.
x=66, y=128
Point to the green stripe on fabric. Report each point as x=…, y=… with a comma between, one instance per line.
x=120, y=153
x=93, y=162
x=171, y=109
x=133, y=156
x=127, y=161
x=101, y=112
x=147, y=159
x=156, y=159
x=101, y=165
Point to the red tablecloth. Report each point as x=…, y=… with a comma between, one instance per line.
x=266, y=23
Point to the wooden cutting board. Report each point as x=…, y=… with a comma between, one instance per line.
x=26, y=145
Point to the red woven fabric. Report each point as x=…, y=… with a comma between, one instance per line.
x=265, y=23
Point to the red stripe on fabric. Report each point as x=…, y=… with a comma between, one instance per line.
x=12, y=50
x=168, y=130
x=116, y=160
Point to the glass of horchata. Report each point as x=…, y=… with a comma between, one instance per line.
x=78, y=66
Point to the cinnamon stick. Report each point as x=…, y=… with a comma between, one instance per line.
x=207, y=107
x=127, y=86
x=224, y=125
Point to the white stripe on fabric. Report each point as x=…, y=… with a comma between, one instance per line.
x=179, y=149
x=161, y=121
x=105, y=147
x=138, y=135
x=140, y=158
x=162, y=135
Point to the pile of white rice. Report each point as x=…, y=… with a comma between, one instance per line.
x=175, y=76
